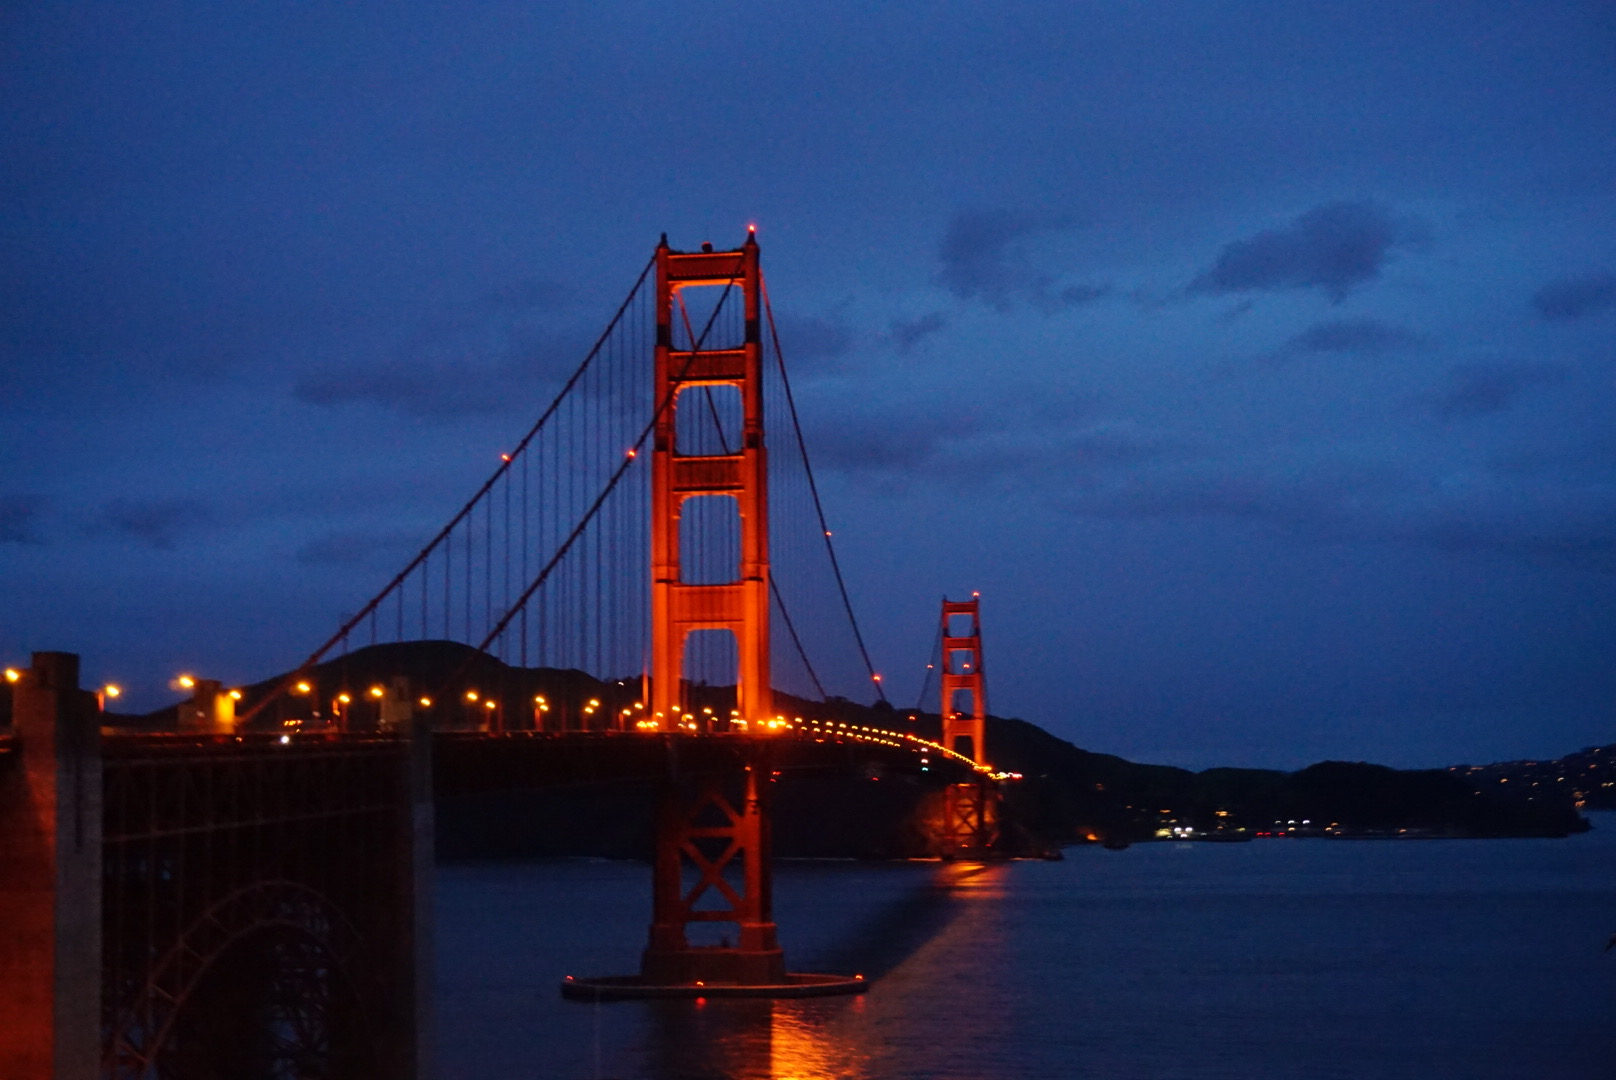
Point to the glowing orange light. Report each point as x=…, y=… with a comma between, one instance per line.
x=235, y=695
x=186, y=682
x=471, y=695
x=12, y=674
x=376, y=692
x=344, y=698
x=426, y=703
x=303, y=688
x=112, y=690
x=632, y=453
x=489, y=705
x=504, y=457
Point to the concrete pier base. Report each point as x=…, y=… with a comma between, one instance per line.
x=50, y=877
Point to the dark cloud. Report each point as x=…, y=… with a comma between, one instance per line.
x=814, y=341
x=421, y=388
x=1480, y=389
x=1360, y=336
x=19, y=519
x=1576, y=297
x=535, y=295
x=984, y=258
x=1057, y=433
x=905, y=334
x=1078, y=295
x=1370, y=504
x=1584, y=541
x=495, y=353
x=157, y=523
x=1333, y=248
x=351, y=548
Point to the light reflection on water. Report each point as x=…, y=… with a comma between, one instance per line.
x=1473, y=960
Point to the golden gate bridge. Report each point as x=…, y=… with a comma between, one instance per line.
x=244, y=888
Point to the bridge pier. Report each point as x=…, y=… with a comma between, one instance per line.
x=970, y=820
x=712, y=867
x=705, y=829
x=50, y=877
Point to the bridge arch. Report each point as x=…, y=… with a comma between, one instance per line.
x=297, y=967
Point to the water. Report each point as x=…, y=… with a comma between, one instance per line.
x=1310, y=959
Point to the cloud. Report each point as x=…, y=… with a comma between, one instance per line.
x=422, y=388
x=1572, y=525
x=532, y=295
x=1583, y=540
x=157, y=523
x=499, y=352
x=813, y=341
x=1576, y=297
x=1357, y=336
x=1482, y=389
x=1058, y=435
x=1320, y=503
x=1333, y=248
x=19, y=519
x=351, y=548
x=905, y=334
x=983, y=258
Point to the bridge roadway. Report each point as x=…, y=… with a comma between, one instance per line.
x=470, y=762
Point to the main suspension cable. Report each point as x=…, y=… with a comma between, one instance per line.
x=443, y=535
x=813, y=489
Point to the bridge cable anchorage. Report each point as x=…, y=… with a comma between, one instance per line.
x=813, y=488
x=444, y=534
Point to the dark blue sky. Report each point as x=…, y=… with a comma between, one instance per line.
x=1255, y=360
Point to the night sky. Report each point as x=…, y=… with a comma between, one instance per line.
x=1256, y=361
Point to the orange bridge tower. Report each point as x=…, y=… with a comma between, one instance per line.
x=712, y=926
x=971, y=810
x=962, y=673
x=741, y=605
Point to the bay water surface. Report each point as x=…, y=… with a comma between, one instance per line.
x=1294, y=959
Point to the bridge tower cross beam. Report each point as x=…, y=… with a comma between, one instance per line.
x=740, y=606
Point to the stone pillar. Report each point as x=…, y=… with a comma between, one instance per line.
x=414, y=1039
x=50, y=878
